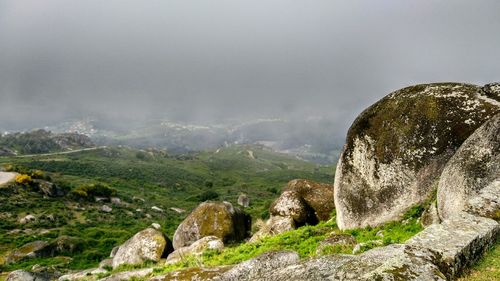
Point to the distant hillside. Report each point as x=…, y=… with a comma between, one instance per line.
x=41, y=141
x=146, y=185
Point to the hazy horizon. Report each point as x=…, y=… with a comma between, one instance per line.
x=213, y=61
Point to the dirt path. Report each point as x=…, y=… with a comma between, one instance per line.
x=60, y=153
x=6, y=177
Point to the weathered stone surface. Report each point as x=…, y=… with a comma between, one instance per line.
x=218, y=219
x=23, y=275
x=398, y=147
x=274, y=225
x=197, y=248
x=460, y=241
x=430, y=215
x=243, y=200
x=487, y=202
x=27, y=219
x=475, y=165
x=128, y=275
x=258, y=267
x=193, y=274
x=147, y=245
x=30, y=250
x=318, y=196
x=290, y=204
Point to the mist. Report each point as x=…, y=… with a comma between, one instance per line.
x=214, y=61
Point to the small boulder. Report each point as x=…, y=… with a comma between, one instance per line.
x=318, y=196
x=156, y=226
x=116, y=201
x=157, y=209
x=50, y=189
x=27, y=219
x=197, y=248
x=290, y=204
x=178, y=210
x=475, y=166
x=274, y=225
x=23, y=275
x=147, y=245
x=106, y=209
x=219, y=219
x=27, y=251
x=243, y=200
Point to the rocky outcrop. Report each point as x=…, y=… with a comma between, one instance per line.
x=218, y=219
x=290, y=204
x=197, y=248
x=50, y=189
x=475, y=165
x=23, y=275
x=147, y=245
x=459, y=241
x=317, y=196
x=396, y=149
x=30, y=250
x=259, y=266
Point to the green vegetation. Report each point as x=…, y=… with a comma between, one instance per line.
x=488, y=268
x=141, y=181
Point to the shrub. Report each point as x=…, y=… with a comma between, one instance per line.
x=24, y=179
x=89, y=191
x=208, y=195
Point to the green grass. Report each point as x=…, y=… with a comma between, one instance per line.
x=305, y=241
x=161, y=180
x=487, y=269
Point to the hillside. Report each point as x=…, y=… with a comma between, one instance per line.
x=142, y=180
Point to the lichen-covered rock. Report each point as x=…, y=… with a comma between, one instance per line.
x=193, y=274
x=430, y=215
x=459, y=241
x=197, y=248
x=129, y=275
x=27, y=251
x=147, y=245
x=475, y=165
x=218, y=219
x=290, y=204
x=50, y=189
x=487, y=202
x=23, y=275
x=258, y=267
x=397, y=148
x=274, y=225
x=318, y=196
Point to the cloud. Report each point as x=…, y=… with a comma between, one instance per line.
x=208, y=61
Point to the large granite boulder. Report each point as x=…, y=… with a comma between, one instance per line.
x=318, y=196
x=290, y=204
x=218, y=219
x=274, y=225
x=397, y=148
x=475, y=166
x=147, y=245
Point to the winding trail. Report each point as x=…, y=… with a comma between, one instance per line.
x=6, y=177
x=59, y=153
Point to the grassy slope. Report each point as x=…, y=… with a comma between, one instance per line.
x=161, y=181
x=487, y=269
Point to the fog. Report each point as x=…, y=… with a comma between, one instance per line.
x=213, y=61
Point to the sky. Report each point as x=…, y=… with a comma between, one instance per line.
x=210, y=61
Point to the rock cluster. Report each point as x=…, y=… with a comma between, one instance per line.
x=396, y=149
x=302, y=202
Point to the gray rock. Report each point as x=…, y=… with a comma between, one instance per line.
x=23, y=275
x=197, y=248
x=430, y=215
x=147, y=245
x=243, y=200
x=129, y=275
x=459, y=241
x=258, y=267
x=106, y=209
x=290, y=204
x=475, y=165
x=317, y=196
x=27, y=251
x=274, y=225
x=27, y=219
x=50, y=189
x=397, y=148
x=218, y=219
x=487, y=201
x=113, y=251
